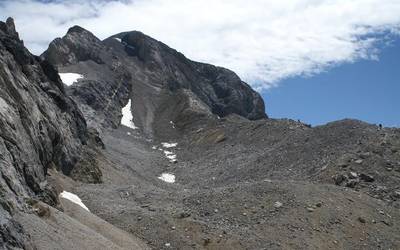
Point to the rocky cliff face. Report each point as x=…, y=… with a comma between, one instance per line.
x=162, y=83
x=40, y=129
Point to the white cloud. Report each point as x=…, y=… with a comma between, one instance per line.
x=264, y=41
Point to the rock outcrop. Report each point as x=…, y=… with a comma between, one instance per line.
x=40, y=128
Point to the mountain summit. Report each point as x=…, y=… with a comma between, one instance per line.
x=127, y=144
x=162, y=83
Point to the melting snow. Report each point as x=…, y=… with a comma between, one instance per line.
x=69, y=78
x=170, y=178
x=170, y=155
x=169, y=145
x=73, y=198
x=127, y=118
x=118, y=39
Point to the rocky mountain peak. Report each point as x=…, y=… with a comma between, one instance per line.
x=77, y=45
x=154, y=75
x=219, y=88
x=77, y=29
x=10, y=23
x=9, y=27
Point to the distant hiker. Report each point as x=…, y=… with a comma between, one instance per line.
x=380, y=126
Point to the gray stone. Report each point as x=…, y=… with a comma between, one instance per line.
x=367, y=177
x=361, y=219
x=278, y=204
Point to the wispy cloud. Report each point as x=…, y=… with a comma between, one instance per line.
x=264, y=41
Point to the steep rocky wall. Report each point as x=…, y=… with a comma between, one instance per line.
x=40, y=128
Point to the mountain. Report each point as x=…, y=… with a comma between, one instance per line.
x=142, y=148
x=162, y=84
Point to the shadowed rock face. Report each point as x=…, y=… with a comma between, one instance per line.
x=40, y=128
x=134, y=66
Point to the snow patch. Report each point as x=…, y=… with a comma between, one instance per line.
x=127, y=118
x=170, y=155
x=154, y=147
x=172, y=123
x=169, y=145
x=170, y=178
x=118, y=39
x=73, y=198
x=69, y=78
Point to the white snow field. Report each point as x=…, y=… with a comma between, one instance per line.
x=169, y=145
x=73, y=198
x=127, y=118
x=171, y=156
x=70, y=78
x=170, y=178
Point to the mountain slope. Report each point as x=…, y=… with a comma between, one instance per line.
x=204, y=168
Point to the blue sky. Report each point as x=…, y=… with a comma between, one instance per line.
x=368, y=90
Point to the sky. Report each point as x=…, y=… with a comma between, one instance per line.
x=367, y=90
x=314, y=60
